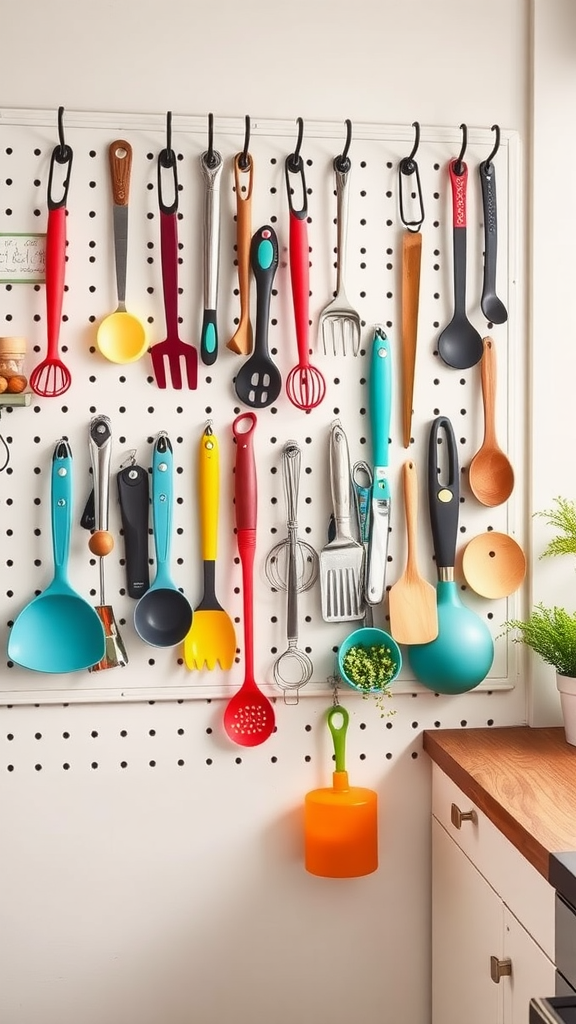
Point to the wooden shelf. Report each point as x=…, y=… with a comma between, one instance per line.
x=23, y=398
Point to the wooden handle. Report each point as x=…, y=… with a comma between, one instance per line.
x=411, y=260
x=242, y=344
x=120, y=155
x=488, y=377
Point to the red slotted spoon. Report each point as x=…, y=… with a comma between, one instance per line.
x=249, y=716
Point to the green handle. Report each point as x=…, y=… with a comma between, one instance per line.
x=339, y=734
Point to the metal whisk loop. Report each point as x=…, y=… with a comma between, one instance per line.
x=306, y=558
x=293, y=668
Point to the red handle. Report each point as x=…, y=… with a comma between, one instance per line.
x=459, y=183
x=300, y=278
x=169, y=260
x=245, y=488
x=55, y=266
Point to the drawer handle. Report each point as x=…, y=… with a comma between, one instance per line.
x=500, y=968
x=457, y=816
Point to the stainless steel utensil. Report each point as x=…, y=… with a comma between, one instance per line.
x=339, y=322
x=101, y=542
x=293, y=668
x=341, y=559
x=211, y=163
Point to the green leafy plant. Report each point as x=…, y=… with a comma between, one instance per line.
x=371, y=669
x=551, y=632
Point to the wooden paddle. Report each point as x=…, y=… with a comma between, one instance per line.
x=412, y=600
x=411, y=260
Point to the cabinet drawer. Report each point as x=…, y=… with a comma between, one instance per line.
x=521, y=887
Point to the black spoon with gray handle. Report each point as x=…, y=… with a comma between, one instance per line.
x=460, y=344
x=493, y=308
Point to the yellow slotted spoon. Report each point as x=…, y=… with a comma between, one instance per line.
x=211, y=637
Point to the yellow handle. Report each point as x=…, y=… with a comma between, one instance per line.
x=209, y=489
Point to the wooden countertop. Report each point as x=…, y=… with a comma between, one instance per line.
x=523, y=779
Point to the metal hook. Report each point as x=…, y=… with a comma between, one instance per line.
x=488, y=161
x=243, y=161
x=62, y=152
x=294, y=161
x=342, y=163
x=458, y=168
x=130, y=459
x=406, y=168
x=167, y=156
x=211, y=156
x=407, y=164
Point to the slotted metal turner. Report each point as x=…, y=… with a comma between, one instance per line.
x=342, y=559
x=339, y=322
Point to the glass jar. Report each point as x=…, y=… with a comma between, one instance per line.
x=12, y=353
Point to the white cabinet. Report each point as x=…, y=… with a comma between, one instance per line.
x=490, y=917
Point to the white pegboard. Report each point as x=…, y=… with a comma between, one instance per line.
x=138, y=409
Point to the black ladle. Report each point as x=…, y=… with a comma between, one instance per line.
x=460, y=344
x=493, y=308
x=163, y=614
x=258, y=381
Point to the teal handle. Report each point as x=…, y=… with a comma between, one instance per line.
x=338, y=719
x=162, y=499
x=209, y=338
x=61, y=507
x=380, y=397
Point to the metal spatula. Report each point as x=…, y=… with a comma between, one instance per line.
x=342, y=559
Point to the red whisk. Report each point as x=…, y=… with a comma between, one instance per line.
x=305, y=385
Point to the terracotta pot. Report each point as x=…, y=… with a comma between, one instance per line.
x=567, y=689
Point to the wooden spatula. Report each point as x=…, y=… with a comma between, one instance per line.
x=412, y=600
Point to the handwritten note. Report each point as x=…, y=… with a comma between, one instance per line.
x=22, y=258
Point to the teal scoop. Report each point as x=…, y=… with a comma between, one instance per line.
x=58, y=631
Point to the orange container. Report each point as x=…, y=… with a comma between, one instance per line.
x=341, y=823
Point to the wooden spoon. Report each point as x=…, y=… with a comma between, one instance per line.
x=412, y=600
x=491, y=475
x=493, y=564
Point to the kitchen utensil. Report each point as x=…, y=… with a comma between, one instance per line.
x=494, y=564
x=305, y=385
x=258, y=381
x=340, y=823
x=490, y=474
x=211, y=637
x=121, y=337
x=58, y=631
x=493, y=308
x=241, y=340
x=411, y=263
x=52, y=377
x=292, y=554
x=342, y=558
x=163, y=614
x=362, y=483
x=380, y=398
x=133, y=495
x=249, y=716
x=293, y=668
x=461, y=655
x=412, y=600
x=339, y=322
x=172, y=350
x=211, y=164
x=459, y=344
x=101, y=542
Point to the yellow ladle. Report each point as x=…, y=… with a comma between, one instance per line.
x=121, y=337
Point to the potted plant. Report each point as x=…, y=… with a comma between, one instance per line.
x=551, y=632
x=369, y=660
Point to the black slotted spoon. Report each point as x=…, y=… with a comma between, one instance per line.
x=258, y=381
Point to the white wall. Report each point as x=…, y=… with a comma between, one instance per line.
x=179, y=895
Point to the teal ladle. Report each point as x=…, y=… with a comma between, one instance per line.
x=58, y=631
x=462, y=654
